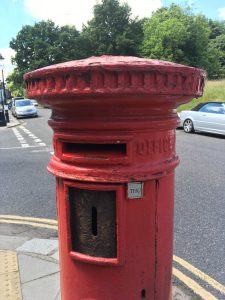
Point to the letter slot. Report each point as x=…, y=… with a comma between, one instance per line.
x=96, y=153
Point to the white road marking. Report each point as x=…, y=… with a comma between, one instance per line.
x=12, y=148
x=23, y=142
x=25, y=130
x=20, y=147
x=40, y=150
x=34, y=137
x=19, y=137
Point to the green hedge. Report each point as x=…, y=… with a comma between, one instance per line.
x=214, y=91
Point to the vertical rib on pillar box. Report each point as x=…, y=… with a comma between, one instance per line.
x=114, y=123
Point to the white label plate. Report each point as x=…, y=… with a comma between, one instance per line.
x=135, y=190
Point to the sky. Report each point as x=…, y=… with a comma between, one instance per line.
x=17, y=13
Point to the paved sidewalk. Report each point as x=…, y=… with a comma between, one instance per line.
x=12, y=121
x=29, y=266
x=31, y=269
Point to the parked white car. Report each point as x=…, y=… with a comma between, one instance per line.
x=34, y=102
x=207, y=117
x=23, y=108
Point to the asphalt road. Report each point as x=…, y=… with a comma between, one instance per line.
x=27, y=189
x=199, y=227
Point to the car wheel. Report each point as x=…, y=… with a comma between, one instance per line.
x=188, y=126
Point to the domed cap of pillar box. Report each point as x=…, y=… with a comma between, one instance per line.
x=114, y=75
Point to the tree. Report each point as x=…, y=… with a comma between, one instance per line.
x=174, y=33
x=217, y=46
x=164, y=34
x=41, y=45
x=112, y=30
x=217, y=28
x=15, y=83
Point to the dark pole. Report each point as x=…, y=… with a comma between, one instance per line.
x=3, y=87
x=3, y=117
x=4, y=99
x=2, y=111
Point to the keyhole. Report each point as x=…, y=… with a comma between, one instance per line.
x=94, y=221
x=143, y=294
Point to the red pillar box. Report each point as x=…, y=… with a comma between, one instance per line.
x=114, y=123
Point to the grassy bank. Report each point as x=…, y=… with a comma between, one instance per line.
x=214, y=91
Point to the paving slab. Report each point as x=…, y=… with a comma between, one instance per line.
x=45, y=288
x=8, y=242
x=178, y=294
x=58, y=296
x=55, y=255
x=32, y=268
x=27, y=231
x=39, y=246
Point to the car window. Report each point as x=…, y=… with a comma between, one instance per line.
x=216, y=108
x=17, y=98
x=20, y=103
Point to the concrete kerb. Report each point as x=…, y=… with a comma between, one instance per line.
x=13, y=121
